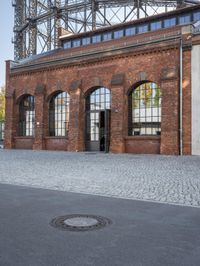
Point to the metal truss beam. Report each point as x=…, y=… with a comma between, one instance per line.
x=37, y=22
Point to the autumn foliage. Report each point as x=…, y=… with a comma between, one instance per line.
x=2, y=103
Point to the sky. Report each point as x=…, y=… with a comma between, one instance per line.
x=6, y=34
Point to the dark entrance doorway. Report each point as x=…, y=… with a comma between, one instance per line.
x=98, y=120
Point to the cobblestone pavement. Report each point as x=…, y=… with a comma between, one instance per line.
x=167, y=179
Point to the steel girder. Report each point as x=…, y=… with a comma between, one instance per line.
x=37, y=22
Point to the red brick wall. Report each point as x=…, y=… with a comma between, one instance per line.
x=55, y=143
x=142, y=144
x=23, y=143
x=187, y=102
x=170, y=117
x=159, y=64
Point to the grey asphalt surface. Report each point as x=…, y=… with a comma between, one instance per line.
x=141, y=233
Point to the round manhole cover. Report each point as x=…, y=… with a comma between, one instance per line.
x=80, y=222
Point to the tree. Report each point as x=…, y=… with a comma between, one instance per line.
x=2, y=103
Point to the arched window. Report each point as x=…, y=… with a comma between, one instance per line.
x=145, y=110
x=99, y=99
x=27, y=116
x=59, y=115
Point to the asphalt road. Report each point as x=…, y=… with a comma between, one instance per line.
x=141, y=233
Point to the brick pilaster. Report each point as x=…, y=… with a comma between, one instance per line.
x=9, y=126
x=76, y=124
x=170, y=117
x=117, y=120
x=39, y=118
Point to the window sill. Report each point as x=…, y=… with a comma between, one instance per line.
x=54, y=137
x=24, y=137
x=141, y=137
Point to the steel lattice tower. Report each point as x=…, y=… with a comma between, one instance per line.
x=37, y=21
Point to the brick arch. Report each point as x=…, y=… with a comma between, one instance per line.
x=92, y=89
x=138, y=83
x=23, y=95
x=55, y=92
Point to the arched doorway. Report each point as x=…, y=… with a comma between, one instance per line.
x=98, y=104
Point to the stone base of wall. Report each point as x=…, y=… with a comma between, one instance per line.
x=23, y=143
x=132, y=144
x=142, y=144
x=56, y=143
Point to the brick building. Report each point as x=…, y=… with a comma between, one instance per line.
x=132, y=88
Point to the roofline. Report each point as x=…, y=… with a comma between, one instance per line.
x=73, y=59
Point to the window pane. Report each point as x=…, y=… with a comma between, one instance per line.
x=118, y=34
x=130, y=31
x=142, y=28
x=86, y=41
x=27, y=116
x=169, y=22
x=156, y=25
x=146, y=110
x=98, y=101
x=96, y=38
x=76, y=43
x=59, y=114
x=196, y=16
x=107, y=36
x=184, y=19
x=67, y=45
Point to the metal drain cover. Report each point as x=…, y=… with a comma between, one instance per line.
x=79, y=222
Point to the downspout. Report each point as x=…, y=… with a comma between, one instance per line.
x=181, y=98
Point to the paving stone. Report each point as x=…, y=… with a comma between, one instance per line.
x=168, y=179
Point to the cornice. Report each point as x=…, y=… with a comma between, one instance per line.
x=99, y=56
